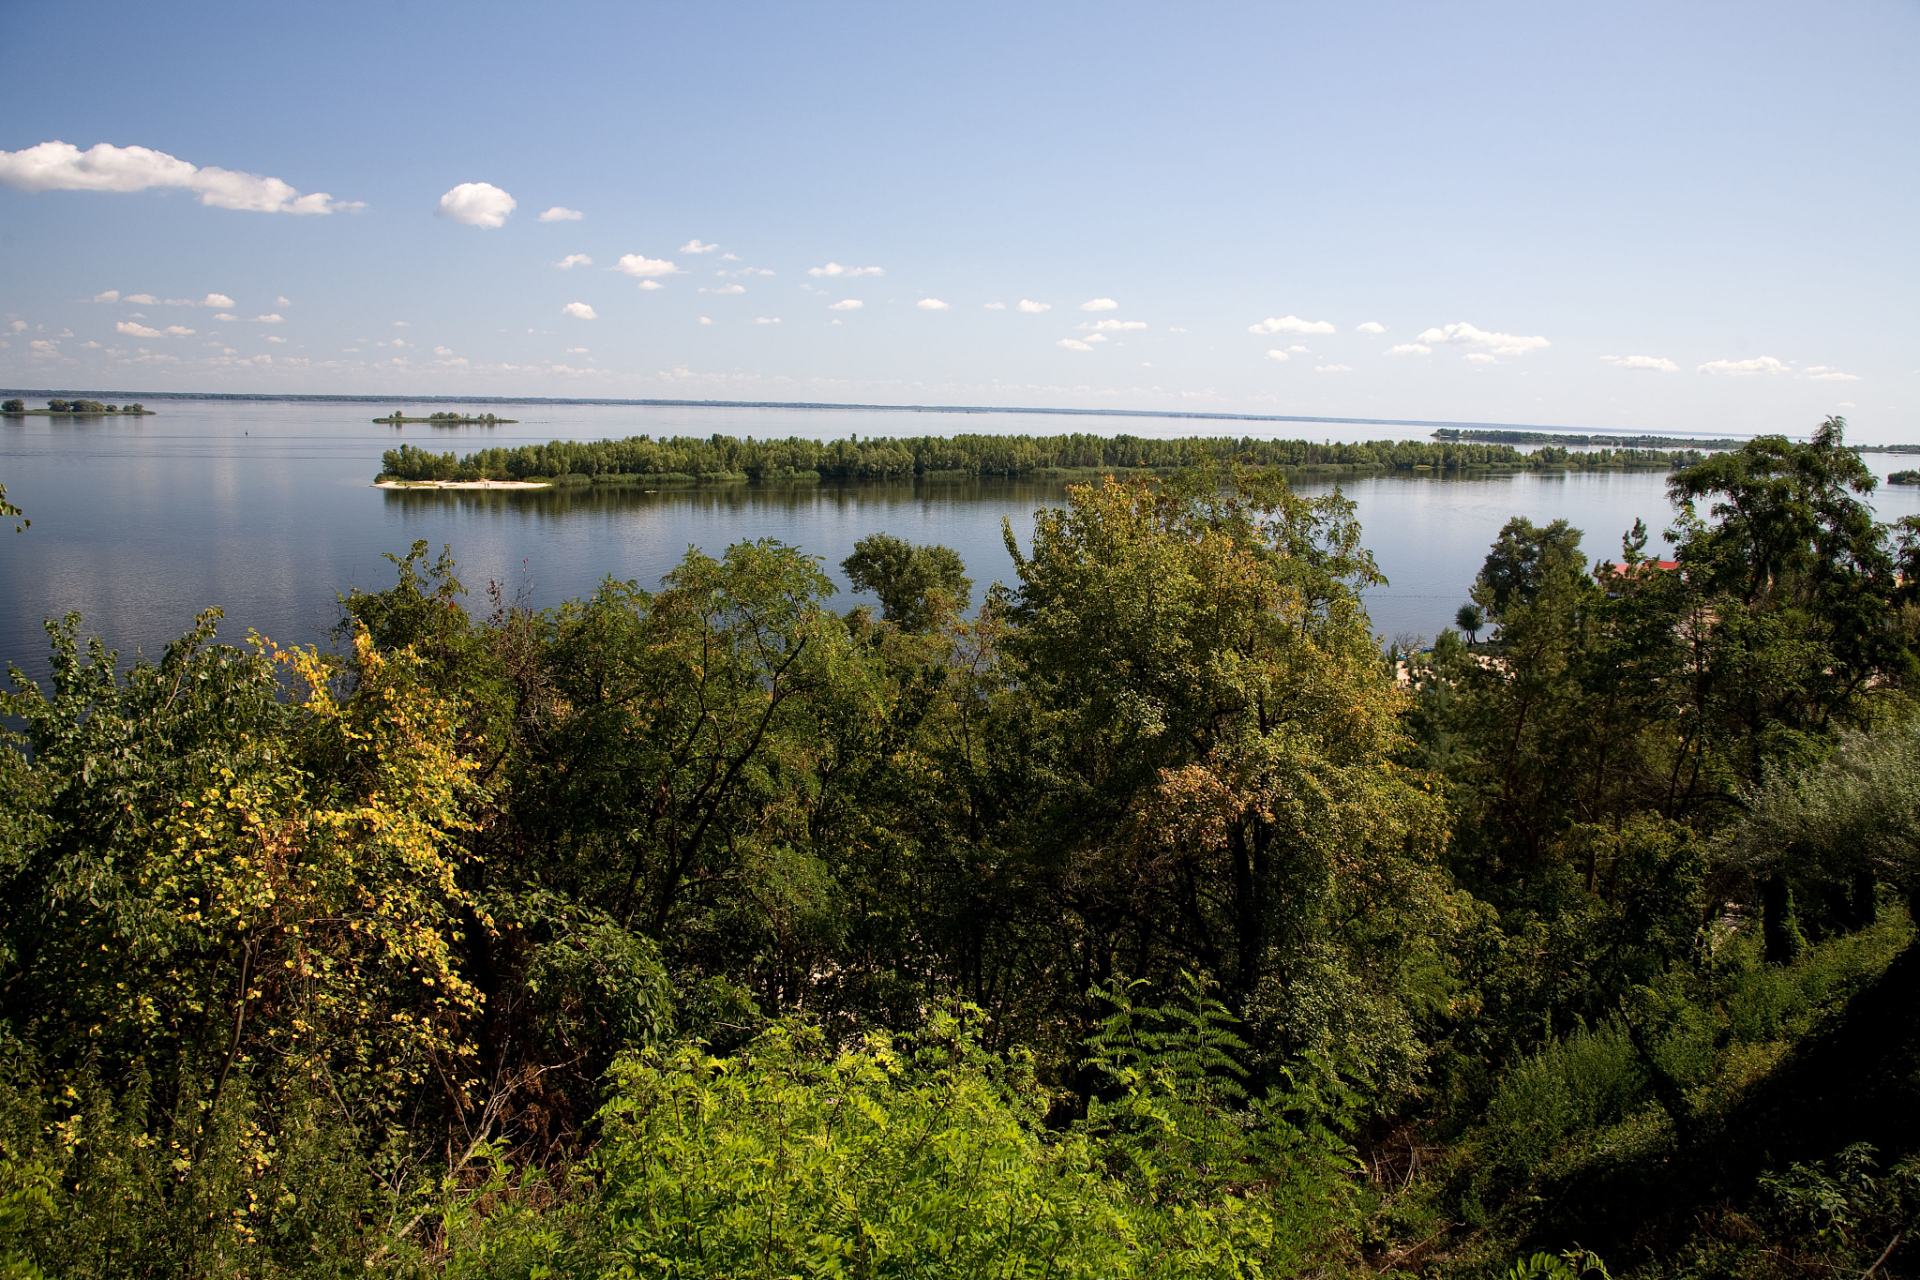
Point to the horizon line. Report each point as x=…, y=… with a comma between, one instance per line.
x=295, y=398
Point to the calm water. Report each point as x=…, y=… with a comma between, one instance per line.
x=268, y=511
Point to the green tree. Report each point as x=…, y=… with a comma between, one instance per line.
x=919, y=587
x=1470, y=618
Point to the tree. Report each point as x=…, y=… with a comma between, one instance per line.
x=1470, y=618
x=918, y=586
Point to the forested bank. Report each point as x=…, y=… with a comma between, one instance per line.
x=1130, y=918
x=719, y=457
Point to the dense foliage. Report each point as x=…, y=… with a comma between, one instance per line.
x=1146, y=921
x=727, y=458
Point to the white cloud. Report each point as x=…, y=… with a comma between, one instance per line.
x=1848, y=404
x=1297, y=349
x=280, y=301
x=178, y=331
x=1100, y=304
x=1656, y=363
x=996, y=306
x=111, y=295
x=572, y=351
x=729, y=257
x=478, y=204
x=835, y=269
x=637, y=265
x=18, y=326
x=1410, y=349
x=560, y=213
x=579, y=311
x=141, y=299
x=696, y=246
x=274, y=318
x=706, y=320
x=182, y=302
x=1114, y=326
x=61, y=166
x=1096, y=337
x=847, y=304
x=1827, y=373
x=726, y=288
x=1500, y=344
x=1743, y=368
x=767, y=320
x=443, y=351
x=131, y=329
x=933, y=304
x=1371, y=326
x=1481, y=357
x=1333, y=368
x=219, y=300
x=44, y=350
x=1073, y=344
x=269, y=339
x=651, y=284
x=1279, y=355
x=226, y=316
x=1291, y=324
x=573, y=260
x=1034, y=308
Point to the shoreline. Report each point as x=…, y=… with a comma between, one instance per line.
x=462, y=484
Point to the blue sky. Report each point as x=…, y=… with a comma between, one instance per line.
x=1665, y=216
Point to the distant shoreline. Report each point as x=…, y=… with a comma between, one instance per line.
x=240, y=397
x=463, y=484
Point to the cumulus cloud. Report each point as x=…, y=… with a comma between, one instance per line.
x=274, y=318
x=1827, y=373
x=1278, y=355
x=1655, y=363
x=1034, y=308
x=142, y=299
x=1743, y=368
x=932, y=304
x=478, y=204
x=1371, y=326
x=1333, y=368
x=835, y=269
x=697, y=246
x=180, y=331
x=769, y=319
x=651, y=284
x=573, y=260
x=1482, y=357
x=1499, y=344
x=1114, y=326
x=847, y=304
x=217, y=300
x=1096, y=337
x=281, y=301
x=111, y=295
x=227, y=317
x=270, y=339
x=1100, y=304
x=579, y=311
x=134, y=329
x=1290, y=324
x=61, y=166
x=18, y=326
x=726, y=288
x=443, y=351
x=996, y=306
x=706, y=320
x=1410, y=349
x=560, y=213
x=635, y=264
x=1073, y=344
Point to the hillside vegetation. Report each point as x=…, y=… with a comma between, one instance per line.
x=1135, y=922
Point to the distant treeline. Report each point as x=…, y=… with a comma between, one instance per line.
x=1490, y=436
x=729, y=458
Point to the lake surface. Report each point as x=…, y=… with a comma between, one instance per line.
x=267, y=510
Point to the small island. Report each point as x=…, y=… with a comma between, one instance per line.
x=396, y=419
x=1904, y=477
x=74, y=408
